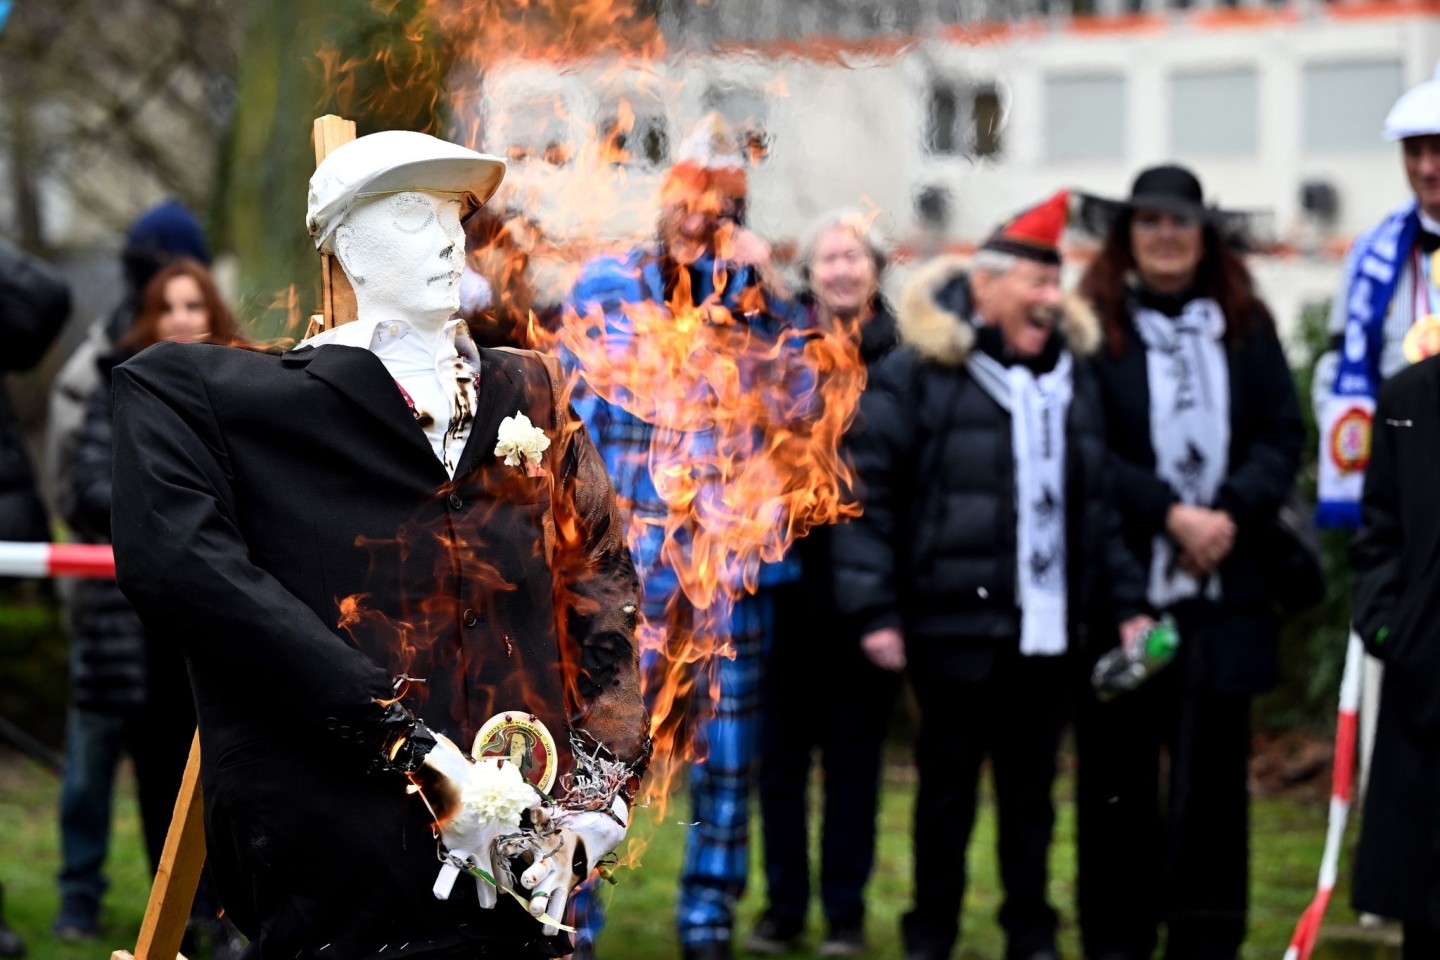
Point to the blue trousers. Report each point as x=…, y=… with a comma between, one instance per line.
x=93, y=745
x=717, y=862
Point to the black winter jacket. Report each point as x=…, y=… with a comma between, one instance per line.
x=34, y=304
x=934, y=551
x=1266, y=438
x=113, y=666
x=816, y=550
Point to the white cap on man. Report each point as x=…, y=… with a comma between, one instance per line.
x=393, y=161
x=1417, y=112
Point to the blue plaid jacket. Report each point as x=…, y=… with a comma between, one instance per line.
x=608, y=283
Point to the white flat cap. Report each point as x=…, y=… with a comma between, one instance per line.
x=393, y=161
x=1417, y=112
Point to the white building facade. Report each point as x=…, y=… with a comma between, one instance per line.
x=1278, y=107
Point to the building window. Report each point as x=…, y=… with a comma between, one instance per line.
x=963, y=120
x=535, y=129
x=1085, y=117
x=932, y=207
x=634, y=133
x=1215, y=114
x=1343, y=103
x=987, y=123
x=747, y=113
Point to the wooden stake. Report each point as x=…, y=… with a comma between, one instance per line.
x=173, y=891
x=337, y=297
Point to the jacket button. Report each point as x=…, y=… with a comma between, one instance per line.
x=470, y=618
x=456, y=502
x=345, y=731
x=331, y=723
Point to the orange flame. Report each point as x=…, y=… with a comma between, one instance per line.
x=745, y=455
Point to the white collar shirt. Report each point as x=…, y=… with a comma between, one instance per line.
x=439, y=382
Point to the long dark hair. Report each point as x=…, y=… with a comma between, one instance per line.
x=146, y=331
x=1221, y=275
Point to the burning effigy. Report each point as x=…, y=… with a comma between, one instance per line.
x=395, y=565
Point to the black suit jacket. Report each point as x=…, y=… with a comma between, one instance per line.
x=284, y=521
x=1395, y=588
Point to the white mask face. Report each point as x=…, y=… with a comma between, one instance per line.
x=403, y=253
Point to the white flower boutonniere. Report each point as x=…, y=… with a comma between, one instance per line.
x=521, y=443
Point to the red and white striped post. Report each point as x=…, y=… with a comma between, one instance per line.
x=1341, y=790
x=95, y=561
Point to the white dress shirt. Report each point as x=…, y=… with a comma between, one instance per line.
x=438, y=382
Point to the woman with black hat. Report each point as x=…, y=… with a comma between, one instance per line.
x=1205, y=434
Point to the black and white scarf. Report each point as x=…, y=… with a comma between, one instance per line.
x=1189, y=425
x=1037, y=407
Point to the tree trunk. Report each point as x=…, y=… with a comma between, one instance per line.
x=302, y=59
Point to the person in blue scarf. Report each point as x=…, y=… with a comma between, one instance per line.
x=704, y=259
x=1386, y=314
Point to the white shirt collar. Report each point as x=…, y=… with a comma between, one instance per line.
x=1428, y=223
x=438, y=384
x=372, y=334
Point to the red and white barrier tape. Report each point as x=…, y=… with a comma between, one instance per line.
x=92, y=560
x=1341, y=790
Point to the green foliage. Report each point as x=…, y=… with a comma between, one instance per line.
x=33, y=649
x=381, y=63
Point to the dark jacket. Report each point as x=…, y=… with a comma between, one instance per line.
x=1395, y=587
x=110, y=649
x=1266, y=439
x=934, y=551
x=284, y=521
x=34, y=304
x=110, y=657
x=816, y=550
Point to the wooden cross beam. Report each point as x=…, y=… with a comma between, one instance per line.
x=173, y=891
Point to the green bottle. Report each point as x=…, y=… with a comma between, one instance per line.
x=1124, y=669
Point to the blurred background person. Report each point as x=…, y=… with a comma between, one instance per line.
x=841, y=263
x=1205, y=432
x=121, y=673
x=94, y=735
x=703, y=247
x=1384, y=309
x=987, y=541
x=34, y=305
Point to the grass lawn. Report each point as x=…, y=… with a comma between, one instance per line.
x=1288, y=836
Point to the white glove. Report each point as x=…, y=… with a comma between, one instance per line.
x=581, y=839
x=468, y=836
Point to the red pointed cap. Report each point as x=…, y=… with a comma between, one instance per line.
x=1034, y=233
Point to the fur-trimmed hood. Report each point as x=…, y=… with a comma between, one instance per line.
x=934, y=314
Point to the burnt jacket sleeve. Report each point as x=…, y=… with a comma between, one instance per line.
x=868, y=549
x=1377, y=551
x=1259, y=483
x=600, y=591
x=182, y=561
